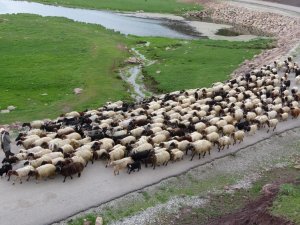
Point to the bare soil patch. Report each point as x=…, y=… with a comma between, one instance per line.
x=255, y=212
x=245, y=206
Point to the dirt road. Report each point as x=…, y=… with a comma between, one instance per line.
x=51, y=201
x=286, y=2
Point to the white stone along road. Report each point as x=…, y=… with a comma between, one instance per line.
x=52, y=200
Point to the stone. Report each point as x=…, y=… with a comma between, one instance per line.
x=4, y=111
x=77, y=91
x=158, y=71
x=11, y=107
x=86, y=222
x=297, y=166
x=99, y=221
x=133, y=60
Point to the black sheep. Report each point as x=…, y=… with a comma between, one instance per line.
x=4, y=169
x=133, y=166
x=70, y=169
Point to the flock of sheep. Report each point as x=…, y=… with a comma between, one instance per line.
x=159, y=129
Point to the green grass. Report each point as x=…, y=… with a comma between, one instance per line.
x=194, y=64
x=288, y=203
x=57, y=55
x=53, y=56
x=160, y=196
x=161, y=6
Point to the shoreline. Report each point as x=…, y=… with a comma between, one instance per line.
x=285, y=29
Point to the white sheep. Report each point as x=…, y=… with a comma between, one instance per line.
x=201, y=146
x=121, y=164
x=158, y=138
x=228, y=129
x=176, y=154
x=238, y=136
x=40, y=153
x=73, y=135
x=142, y=147
x=20, y=173
x=65, y=131
x=67, y=148
x=272, y=123
x=161, y=158
x=210, y=129
x=212, y=137
x=284, y=116
x=36, y=124
x=106, y=143
x=137, y=132
x=224, y=141
x=43, y=171
x=53, y=155
x=41, y=141
x=200, y=126
x=128, y=140
x=86, y=154
x=72, y=114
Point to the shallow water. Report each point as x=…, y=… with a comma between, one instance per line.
x=122, y=23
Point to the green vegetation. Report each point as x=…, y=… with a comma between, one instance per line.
x=220, y=203
x=42, y=64
x=191, y=188
x=165, y=6
x=193, y=64
x=288, y=203
x=43, y=59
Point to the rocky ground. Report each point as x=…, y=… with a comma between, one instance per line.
x=285, y=29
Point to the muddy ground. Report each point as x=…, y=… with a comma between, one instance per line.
x=249, y=209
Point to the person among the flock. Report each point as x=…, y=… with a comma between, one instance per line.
x=5, y=143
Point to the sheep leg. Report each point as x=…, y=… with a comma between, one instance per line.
x=193, y=156
x=21, y=180
x=200, y=155
x=79, y=174
x=71, y=177
x=65, y=179
x=274, y=127
x=209, y=152
x=204, y=154
x=154, y=164
x=186, y=151
x=86, y=163
x=166, y=163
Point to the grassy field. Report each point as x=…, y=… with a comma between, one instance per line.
x=165, y=6
x=288, y=203
x=43, y=59
x=42, y=64
x=193, y=64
